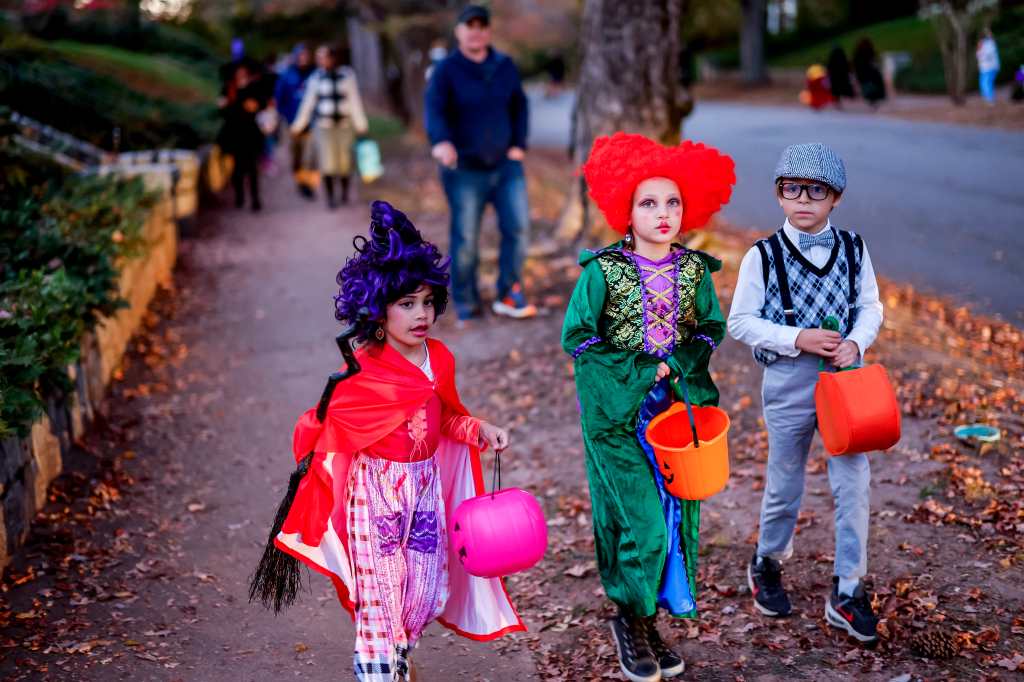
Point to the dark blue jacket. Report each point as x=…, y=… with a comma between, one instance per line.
x=289, y=90
x=480, y=108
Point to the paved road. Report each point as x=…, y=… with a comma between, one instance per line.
x=941, y=207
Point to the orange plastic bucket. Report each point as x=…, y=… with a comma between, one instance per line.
x=691, y=473
x=857, y=410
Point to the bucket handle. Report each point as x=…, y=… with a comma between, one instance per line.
x=678, y=384
x=496, y=477
x=831, y=324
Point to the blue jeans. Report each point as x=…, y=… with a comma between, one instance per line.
x=469, y=192
x=987, y=84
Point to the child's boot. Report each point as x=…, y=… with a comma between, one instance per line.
x=852, y=613
x=670, y=663
x=764, y=576
x=636, y=659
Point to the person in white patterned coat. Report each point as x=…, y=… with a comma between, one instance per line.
x=333, y=106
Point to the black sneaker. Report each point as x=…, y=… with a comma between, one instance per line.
x=852, y=614
x=670, y=663
x=764, y=576
x=635, y=656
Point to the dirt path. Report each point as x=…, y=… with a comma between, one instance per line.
x=145, y=577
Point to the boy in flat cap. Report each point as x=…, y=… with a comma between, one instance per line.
x=789, y=284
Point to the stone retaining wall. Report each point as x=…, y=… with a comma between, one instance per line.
x=28, y=465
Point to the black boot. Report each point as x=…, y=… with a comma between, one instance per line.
x=671, y=663
x=344, y=188
x=636, y=660
x=329, y=191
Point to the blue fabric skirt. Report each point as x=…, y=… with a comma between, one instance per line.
x=674, y=594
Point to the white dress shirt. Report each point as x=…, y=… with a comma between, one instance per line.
x=747, y=326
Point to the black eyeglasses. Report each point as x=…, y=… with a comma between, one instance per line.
x=793, y=190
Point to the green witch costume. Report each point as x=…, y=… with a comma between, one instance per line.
x=626, y=316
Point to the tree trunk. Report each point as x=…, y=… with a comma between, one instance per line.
x=365, y=48
x=629, y=80
x=752, y=42
x=951, y=27
x=958, y=22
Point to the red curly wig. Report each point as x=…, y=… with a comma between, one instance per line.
x=617, y=164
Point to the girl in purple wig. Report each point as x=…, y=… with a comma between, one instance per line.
x=394, y=456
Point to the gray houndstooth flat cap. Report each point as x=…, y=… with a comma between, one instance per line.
x=814, y=161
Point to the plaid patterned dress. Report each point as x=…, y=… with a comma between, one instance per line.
x=398, y=540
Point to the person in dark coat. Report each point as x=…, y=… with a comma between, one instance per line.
x=291, y=86
x=839, y=75
x=240, y=135
x=477, y=119
x=869, y=77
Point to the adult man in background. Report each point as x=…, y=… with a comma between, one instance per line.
x=476, y=118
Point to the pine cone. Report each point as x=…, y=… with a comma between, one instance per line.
x=934, y=644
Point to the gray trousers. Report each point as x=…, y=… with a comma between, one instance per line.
x=788, y=394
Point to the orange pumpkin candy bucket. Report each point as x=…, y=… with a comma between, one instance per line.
x=857, y=410
x=691, y=447
x=856, y=407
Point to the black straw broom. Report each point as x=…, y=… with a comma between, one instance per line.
x=277, y=579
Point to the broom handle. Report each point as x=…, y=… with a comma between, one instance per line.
x=344, y=341
x=679, y=386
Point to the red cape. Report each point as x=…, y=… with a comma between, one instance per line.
x=365, y=408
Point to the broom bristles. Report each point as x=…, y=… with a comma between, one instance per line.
x=277, y=580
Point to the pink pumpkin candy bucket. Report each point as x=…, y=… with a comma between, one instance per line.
x=499, y=533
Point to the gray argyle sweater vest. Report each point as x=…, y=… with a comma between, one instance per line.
x=798, y=294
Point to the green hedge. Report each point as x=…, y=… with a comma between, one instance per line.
x=60, y=241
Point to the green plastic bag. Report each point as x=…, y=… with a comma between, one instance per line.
x=368, y=160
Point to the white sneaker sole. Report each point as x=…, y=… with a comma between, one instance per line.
x=837, y=621
x=656, y=677
x=763, y=609
x=500, y=308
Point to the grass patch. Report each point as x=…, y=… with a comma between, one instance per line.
x=98, y=107
x=156, y=75
x=909, y=34
x=384, y=127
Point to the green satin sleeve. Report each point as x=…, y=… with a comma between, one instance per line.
x=611, y=383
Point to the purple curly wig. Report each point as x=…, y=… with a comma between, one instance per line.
x=393, y=262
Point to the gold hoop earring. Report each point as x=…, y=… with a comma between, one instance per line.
x=379, y=333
